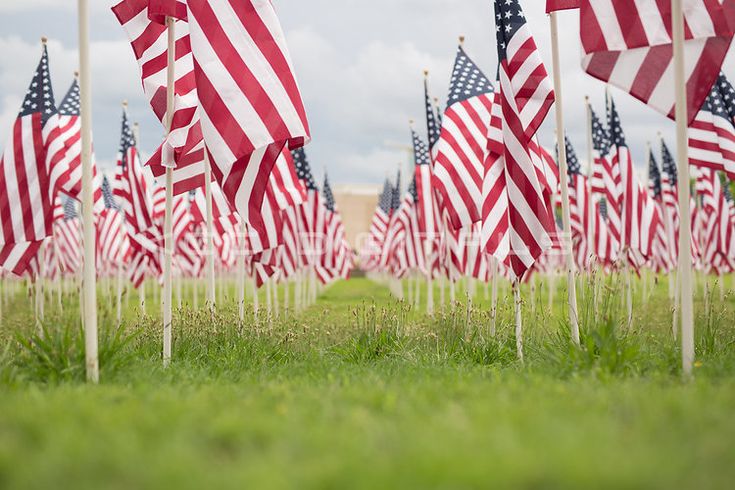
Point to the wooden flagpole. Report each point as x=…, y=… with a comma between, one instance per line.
x=89, y=293
x=561, y=145
x=168, y=218
x=685, y=257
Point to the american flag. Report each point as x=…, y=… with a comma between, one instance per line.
x=640, y=217
x=606, y=179
x=406, y=253
x=712, y=133
x=661, y=252
x=68, y=236
x=148, y=38
x=309, y=211
x=526, y=95
x=70, y=133
x=579, y=206
x=249, y=102
x=461, y=149
x=370, y=252
x=112, y=243
x=669, y=197
x=391, y=231
x=629, y=45
x=336, y=251
x=29, y=176
x=427, y=211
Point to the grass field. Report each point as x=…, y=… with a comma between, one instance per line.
x=363, y=392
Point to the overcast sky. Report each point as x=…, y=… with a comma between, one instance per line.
x=360, y=66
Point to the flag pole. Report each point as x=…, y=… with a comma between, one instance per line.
x=564, y=180
x=210, y=230
x=168, y=218
x=519, y=320
x=591, y=203
x=685, y=256
x=670, y=241
x=241, y=274
x=141, y=288
x=89, y=293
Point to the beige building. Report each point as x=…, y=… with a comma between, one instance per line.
x=356, y=203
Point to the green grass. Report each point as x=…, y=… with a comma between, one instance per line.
x=363, y=392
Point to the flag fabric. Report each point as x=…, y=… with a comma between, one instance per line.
x=133, y=187
x=670, y=200
x=629, y=45
x=579, y=208
x=640, y=218
x=606, y=180
x=426, y=209
x=183, y=149
x=553, y=5
x=370, y=252
x=112, y=244
x=310, y=211
x=461, y=148
x=661, y=256
x=712, y=133
x=526, y=95
x=30, y=171
x=391, y=233
x=67, y=236
x=249, y=102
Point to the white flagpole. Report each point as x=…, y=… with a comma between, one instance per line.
x=429, y=282
x=685, y=257
x=494, y=297
x=671, y=275
x=256, y=301
x=209, y=254
x=168, y=218
x=591, y=204
x=90, y=280
x=241, y=274
x=519, y=324
x=567, y=239
x=39, y=283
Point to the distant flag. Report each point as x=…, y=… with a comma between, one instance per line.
x=605, y=175
x=70, y=133
x=370, y=252
x=629, y=45
x=639, y=214
x=579, y=206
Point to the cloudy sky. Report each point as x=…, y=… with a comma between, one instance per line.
x=360, y=66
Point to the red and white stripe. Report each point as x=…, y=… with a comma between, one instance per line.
x=628, y=43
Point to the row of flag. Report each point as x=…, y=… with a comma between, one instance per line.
x=237, y=111
x=485, y=194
